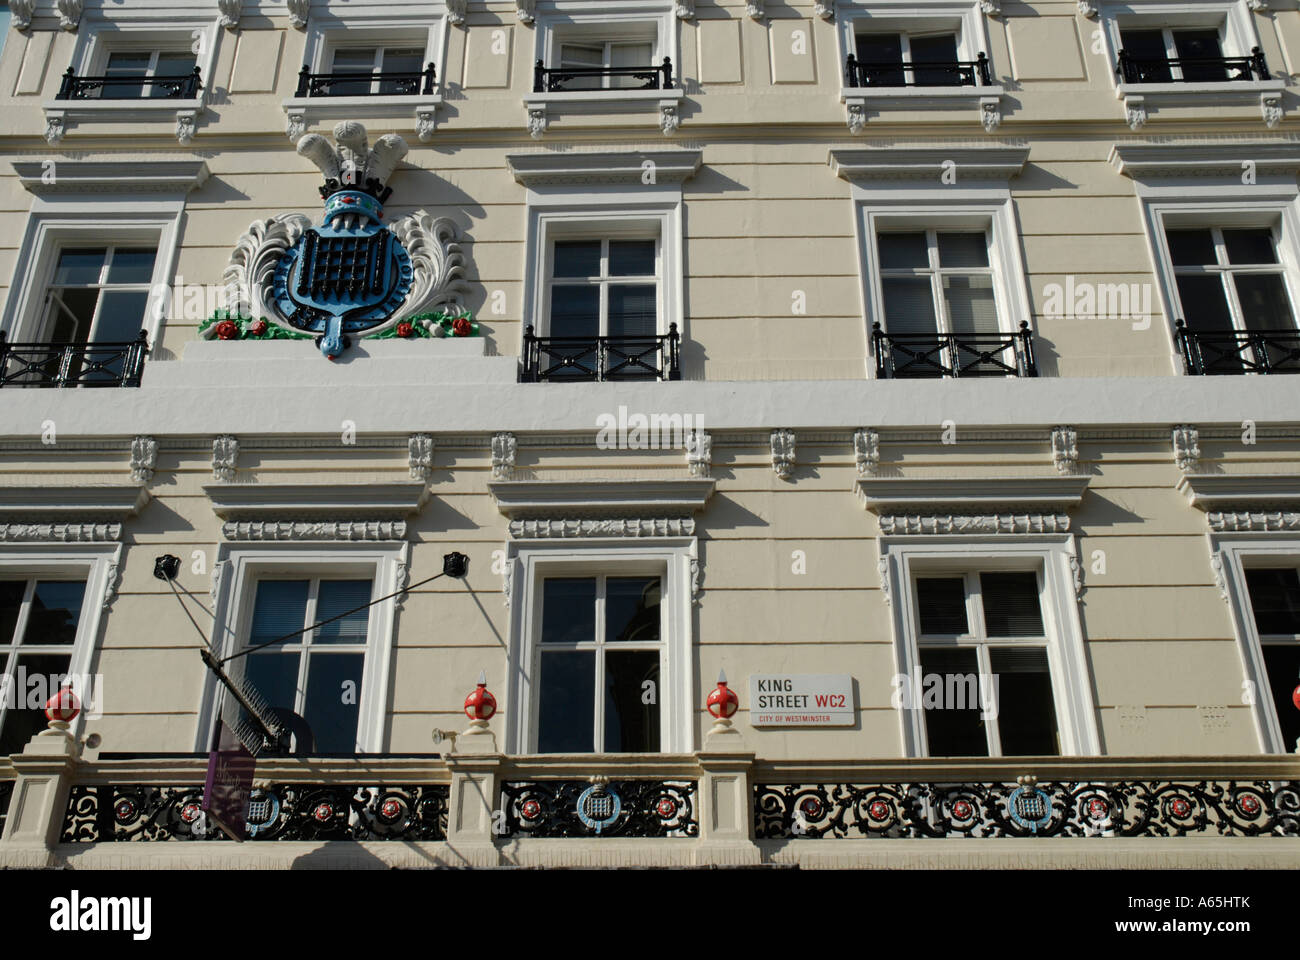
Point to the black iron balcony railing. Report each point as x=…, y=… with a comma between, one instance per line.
x=553, y=80
x=183, y=87
x=72, y=364
x=587, y=359
x=1238, y=351
x=1191, y=69
x=377, y=83
x=967, y=73
x=915, y=355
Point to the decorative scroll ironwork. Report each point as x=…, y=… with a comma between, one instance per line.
x=919, y=355
x=553, y=80
x=618, y=808
x=1239, y=351
x=959, y=73
x=587, y=359
x=1049, y=809
x=6, y=794
x=1191, y=69
x=296, y=811
x=383, y=83
x=183, y=87
x=72, y=364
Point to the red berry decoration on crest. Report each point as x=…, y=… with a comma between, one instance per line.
x=481, y=705
x=723, y=702
x=1295, y=696
x=404, y=329
x=228, y=330
x=257, y=328
x=461, y=327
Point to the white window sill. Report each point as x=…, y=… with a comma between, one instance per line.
x=986, y=100
x=666, y=103
x=301, y=112
x=58, y=113
x=1138, y=97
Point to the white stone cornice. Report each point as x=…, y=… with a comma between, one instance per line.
x=115, y=501
x=60, y=532
x=1245, y=521
x=1223, y=160
x=600, y=498
x=630, y=167
x=20, y=13
x=943, y=524
x=225, y=458
x=928, y=163
x=1241, y=492
x=371, y=530
x=557, y=528
x=419, y=456
x=1065, y=449
x=293, y=501
x=971, y=495
x=174, y=177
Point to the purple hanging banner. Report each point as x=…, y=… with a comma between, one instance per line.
x=229, y=784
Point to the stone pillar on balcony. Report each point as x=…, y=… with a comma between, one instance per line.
x=726, y=799
x=40, y=798
x=475, y=767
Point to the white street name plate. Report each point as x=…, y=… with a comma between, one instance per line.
x=801, y=700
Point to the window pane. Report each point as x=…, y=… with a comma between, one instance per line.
x=132, y=265
x=630, y=55
x=280, y=607
x=1026, y=710
x=970, y=303
x=1011, y=604
x=72, y=312
x=273, y=673
x=11, y=601
x=1249, y=246
x=175, y=64
x=632, y=310
x=902, y=250
x=1275, y=600
x=1263, y=302
x=79, y=266
x=1282, y=661
x=121, y=315
x=909, y=305
x=574, y=55
x=403, y=60
x=941, y=605
x=1205, y=306
x=963, y=250
x=1200, y=45
x=876, y=50
x=954, y=722
x=632, y=609
x=631, y=258
x=569, y=610
x=336, y=596
x=942, y=49
x=631, y=725
x=354, y=60
x=567, y=690
x=24, y=722
x=128, y=63
x=56, y=611
x=333, y=706
x=1191, y=248
x=577, y=258
x=1147, y=49
x=575, y=311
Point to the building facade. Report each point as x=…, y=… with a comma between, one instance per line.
x=925, y=366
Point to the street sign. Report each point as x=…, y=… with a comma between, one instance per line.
x=801, y=700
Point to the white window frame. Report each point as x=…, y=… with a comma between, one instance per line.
x=101, y=286
x=670, y=558
x=63, y=222
x=935, y=272
x=1052, y=556
x=910, y=17
x=604, y=232
x=99, y=564
x=605, y=211
x=575, y=21
x=325, y=36
x=377, y=60
x=917, y=209
x=1232, y=18
x=1222, y=268
x=235, y=578
x=1236, y=553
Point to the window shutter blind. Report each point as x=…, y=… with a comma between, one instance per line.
x=1011, y=604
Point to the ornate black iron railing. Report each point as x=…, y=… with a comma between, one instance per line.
x=183, y=87
x=1238, y=351
x=1124, y=808
x=573, y=359
x=553, y=79
x=116, y=364
x=605, y=808
x=962, y=73
x=377, y=83
x=1191, y=69
x=297, y=811
x=911, y=355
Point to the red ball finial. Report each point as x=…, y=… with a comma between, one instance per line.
x=722, y=703
x=64, y=705
x=1295, y=696
x=481, y=705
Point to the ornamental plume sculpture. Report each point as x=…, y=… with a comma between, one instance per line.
x=352, y=273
